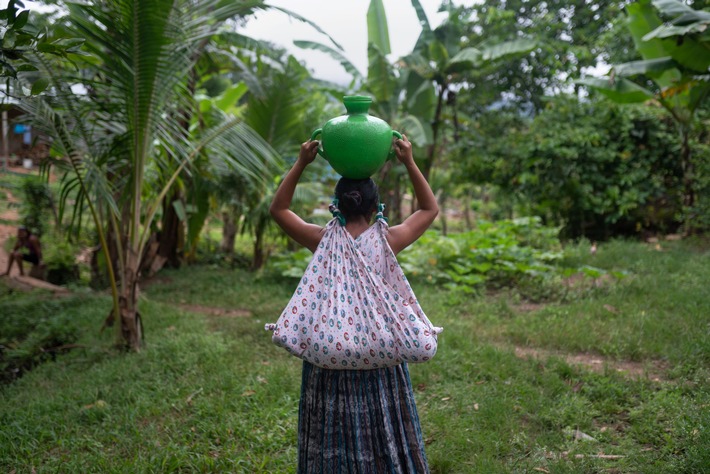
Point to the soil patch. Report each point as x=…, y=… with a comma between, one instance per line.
x=212, y=311
x=527, y=307
x=653, y=370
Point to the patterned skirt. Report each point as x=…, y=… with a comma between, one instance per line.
x=359, y=422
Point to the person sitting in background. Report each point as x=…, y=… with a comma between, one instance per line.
x=27, y=248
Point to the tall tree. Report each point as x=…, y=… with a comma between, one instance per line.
x=440, y=56
x=127, y=131
x=571, y=35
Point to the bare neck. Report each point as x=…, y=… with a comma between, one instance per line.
x=357, y=225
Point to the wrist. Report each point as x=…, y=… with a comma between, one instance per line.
x=410, y=164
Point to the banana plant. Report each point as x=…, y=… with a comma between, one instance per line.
x=282, y=112
x=439, y=58
x=674, y=71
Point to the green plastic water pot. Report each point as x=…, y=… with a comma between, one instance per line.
x=356, y=144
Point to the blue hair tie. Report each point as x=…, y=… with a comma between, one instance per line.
x=333, y=208
x=380, y=210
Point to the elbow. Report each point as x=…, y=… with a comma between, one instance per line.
x=434, y=211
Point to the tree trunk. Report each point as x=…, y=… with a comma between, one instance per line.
x=435, y=125
x=172, y=233
x=258, y=259
x=131, y=324
x=467, y=213
x=99, y=273
x=229, y=233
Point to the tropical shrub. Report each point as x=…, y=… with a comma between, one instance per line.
x=36, y=202
x=495, y=254
x=598, y=169
x=60, y=258
x=290, y=265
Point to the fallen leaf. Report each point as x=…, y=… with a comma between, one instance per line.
x=248, y=393
x=445, y=399
x=540, y=469
x=188, y=400
x=578, y=435
x=475, y=406
x=611, y=309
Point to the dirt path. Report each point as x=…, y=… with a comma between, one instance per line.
x=653, y=370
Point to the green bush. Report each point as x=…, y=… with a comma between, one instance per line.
x=289, y=265
x=37, y=200
x=520, y=254
x=596, y=168
x=60, y=258
x=496, y=254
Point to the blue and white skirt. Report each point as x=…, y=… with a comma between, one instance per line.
x=359, y=422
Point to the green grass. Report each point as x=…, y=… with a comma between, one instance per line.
x=212, y=394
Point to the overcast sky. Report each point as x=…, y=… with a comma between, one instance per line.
x=346, y=22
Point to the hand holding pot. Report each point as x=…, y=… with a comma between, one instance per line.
x=403, y=150
x=308, y=153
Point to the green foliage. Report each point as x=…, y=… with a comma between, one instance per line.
x=672, y=70
x=494, y=255
x=37, y=202
x=571, y=36
x=597, y=168
x=60, y=258
x=33, y=330
x=699, y=213
x=22, y=38
x=290, y=265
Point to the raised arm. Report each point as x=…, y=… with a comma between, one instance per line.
x=401, y=236
x=306, y=234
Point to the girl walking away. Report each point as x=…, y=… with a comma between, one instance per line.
x=358, y=421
